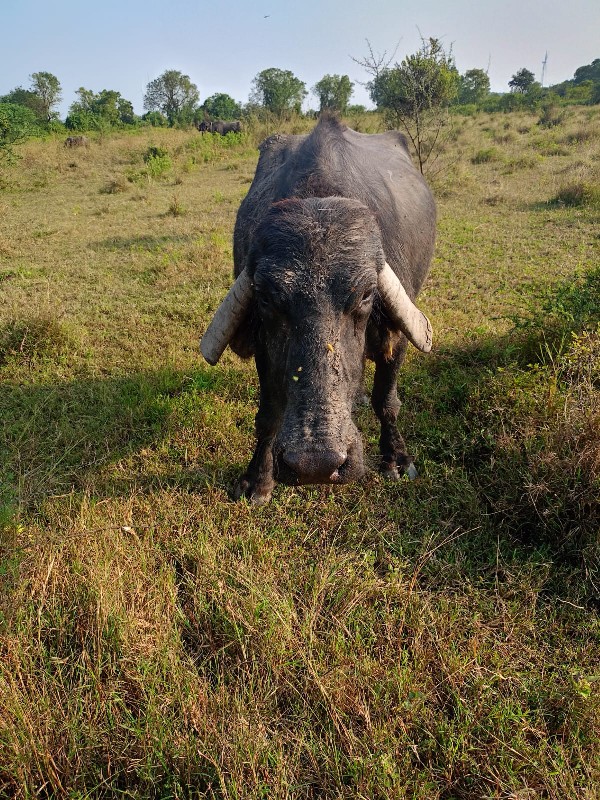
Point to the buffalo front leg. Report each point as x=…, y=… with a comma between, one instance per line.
x=395, y=461
x=257, y=482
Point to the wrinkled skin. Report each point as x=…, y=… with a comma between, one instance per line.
x=323, y=215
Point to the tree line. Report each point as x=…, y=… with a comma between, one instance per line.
x=412, y=94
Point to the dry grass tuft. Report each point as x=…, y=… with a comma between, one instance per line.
x=116, y=185
x=578, y=194
x=38, y=337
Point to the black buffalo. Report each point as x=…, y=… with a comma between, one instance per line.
x=206, y=126
x=77, y=141
x=331, y=246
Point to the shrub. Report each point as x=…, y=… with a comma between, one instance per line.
x=175, y=207
x=486, y=155
x=155, y=119
x=578, y=194
x=466, y=110
x=81, y=121
x=580, y=136
x=157, y=161
x=552, y=149
x=528, y=161
x=17, y=124
x=504, y=138
x=551, y=116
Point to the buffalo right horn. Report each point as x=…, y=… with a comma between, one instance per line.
x=402, y=311
x=227, y=319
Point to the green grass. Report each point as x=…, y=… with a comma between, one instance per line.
x=434, y=640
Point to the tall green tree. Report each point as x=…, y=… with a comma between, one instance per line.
x=522, y=81
x=47, y=87
x=222, y=106
x=415, y=94
x=103, y=109
x=278, y=91
x=334, y=92
x=589, y=72
x=174, y=95
x=17, y=123
x=27, y=99
x=474, y=86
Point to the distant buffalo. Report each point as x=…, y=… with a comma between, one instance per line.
x=77, y=141
x=206, y=126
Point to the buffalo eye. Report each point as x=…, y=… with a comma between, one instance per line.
x=366, y=299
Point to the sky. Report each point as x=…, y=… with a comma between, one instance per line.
x=123, y=45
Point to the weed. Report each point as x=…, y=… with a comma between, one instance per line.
x=485, y=156
x=115, y=186
x=580, y=136
x=175, y=207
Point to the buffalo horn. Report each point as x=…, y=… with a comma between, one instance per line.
x=227, y=319
x=402, y=311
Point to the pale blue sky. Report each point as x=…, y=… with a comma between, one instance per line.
x=222, y=45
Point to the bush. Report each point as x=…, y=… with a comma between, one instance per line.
x=17, y=124
x=157, y=161
x=551, y=116
x=486, y=155
x=81, y=121
x=578, y=194
x=115, y=186
x=466, y=109
x=155, y=119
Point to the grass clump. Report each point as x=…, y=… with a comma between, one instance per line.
x=576, y=194
x=543, y=479
x=551, y=116
x=116, y=185
x=486, y=155
x=37, y=338
x=158, y=164
x=176, y=209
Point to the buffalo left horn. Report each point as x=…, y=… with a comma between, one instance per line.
x=402, y=311
x=227, y=319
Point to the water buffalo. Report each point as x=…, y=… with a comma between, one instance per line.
x=77, y=141
x=206, y=126
x=331, y=246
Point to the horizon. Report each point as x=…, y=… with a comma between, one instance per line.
x=499, y=38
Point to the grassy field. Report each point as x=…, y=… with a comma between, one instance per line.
x=433, y=640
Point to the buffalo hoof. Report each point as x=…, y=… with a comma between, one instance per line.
x=394, y=472
x=256, y=495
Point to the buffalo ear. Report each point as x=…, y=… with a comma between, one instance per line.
x=242, y=341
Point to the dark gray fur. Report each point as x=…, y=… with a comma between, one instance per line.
x=323, y=214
